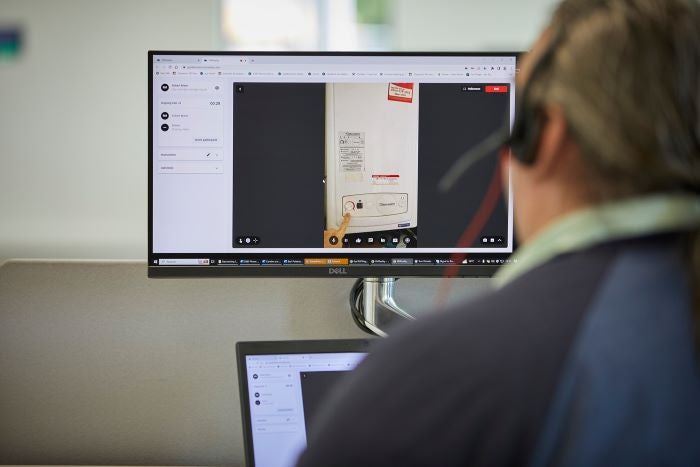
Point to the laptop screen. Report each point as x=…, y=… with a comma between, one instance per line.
x=281, y=398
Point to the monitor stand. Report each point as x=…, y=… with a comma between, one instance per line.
x=377, y=303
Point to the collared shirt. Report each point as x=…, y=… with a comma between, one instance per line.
x=627, y=218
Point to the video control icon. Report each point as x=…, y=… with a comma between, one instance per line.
x=247, y=240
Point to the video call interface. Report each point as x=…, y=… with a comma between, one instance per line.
x=327, y=159
x=285, y=396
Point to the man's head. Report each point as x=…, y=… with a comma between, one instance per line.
x=610, y=94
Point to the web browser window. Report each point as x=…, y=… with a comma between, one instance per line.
x=322, y=159
x=285, y=393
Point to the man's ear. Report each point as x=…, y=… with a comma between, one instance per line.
x=553, y=140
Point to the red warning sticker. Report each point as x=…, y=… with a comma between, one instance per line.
x=401, y=92
x=385, y=179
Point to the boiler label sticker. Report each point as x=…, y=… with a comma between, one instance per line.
x=401, y=92
x=351, y=151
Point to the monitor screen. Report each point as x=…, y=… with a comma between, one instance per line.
x=329, y=164
x=282, y=387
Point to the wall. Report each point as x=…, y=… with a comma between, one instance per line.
x=73, y=136
x=472, y=25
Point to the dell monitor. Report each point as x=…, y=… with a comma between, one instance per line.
x=328, y=164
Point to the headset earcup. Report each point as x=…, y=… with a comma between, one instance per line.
x=532, y=137
x=526, y=134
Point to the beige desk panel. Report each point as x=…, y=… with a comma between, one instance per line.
x=100, y=365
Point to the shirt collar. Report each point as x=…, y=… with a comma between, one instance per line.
x=631, y=217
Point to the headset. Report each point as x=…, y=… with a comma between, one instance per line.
x=523, y=137
x=529, y=118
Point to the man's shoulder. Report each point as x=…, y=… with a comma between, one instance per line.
x=539, y=309
x=631, y=377
x=474, y=384
x=493, y=360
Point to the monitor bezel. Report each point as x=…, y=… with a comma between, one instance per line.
x=356, y=271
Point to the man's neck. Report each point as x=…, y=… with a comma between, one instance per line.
x=556, y=203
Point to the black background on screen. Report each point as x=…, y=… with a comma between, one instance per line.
x=278, y=163
x=451, y=122
x=315, y=386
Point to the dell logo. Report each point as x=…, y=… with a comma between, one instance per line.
x=334, y=271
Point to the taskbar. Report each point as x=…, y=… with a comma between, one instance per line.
x=311, y=261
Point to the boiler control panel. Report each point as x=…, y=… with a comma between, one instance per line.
x=375, y=204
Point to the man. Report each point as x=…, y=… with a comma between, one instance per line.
x=587, y=351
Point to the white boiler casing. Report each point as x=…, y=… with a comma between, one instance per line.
x=371, y=156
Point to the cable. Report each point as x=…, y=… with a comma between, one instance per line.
x=357, y=307
x=486, y=209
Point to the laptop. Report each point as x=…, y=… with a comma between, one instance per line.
x=282, y=385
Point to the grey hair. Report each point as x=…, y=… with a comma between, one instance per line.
x=627, y=78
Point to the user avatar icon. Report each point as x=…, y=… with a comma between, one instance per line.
x=164, y=115
x=164, y=127
x=164, y=87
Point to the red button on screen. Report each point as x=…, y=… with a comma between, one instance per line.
x=496, y=88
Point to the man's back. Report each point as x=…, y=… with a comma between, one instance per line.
x=585, y=360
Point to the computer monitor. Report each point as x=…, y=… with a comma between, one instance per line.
x=328, y=164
